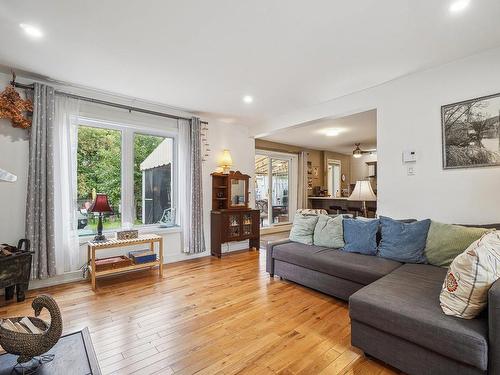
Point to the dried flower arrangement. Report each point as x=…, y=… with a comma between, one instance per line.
x=14, y=108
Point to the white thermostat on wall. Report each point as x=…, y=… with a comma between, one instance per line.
x=409, y=156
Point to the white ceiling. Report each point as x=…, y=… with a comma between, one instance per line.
x=205, y=55
x=357, y=128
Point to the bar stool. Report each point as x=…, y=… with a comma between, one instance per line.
x=371, y=211
x=338, y=209
x=355, y=209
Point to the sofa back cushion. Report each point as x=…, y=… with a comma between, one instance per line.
x=471, y=274
x=360, y=236
x=446, y=241
x=403, y=242
x=303, y=228
x=329, y=232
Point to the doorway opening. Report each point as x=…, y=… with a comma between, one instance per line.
x=275, y=187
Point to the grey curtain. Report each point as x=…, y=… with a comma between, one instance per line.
x=40, y=198
x=197, y=240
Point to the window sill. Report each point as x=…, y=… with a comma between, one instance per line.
x=142, y=230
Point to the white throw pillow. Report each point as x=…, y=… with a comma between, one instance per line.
x=470, y=276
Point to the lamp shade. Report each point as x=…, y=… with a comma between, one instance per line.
x=363, y=192
x=101, y=204
x=226, y=160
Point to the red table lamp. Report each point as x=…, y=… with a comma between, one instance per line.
x=100, y=205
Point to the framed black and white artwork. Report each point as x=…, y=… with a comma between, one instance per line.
x=471, y=133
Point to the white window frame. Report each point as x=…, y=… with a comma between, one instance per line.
x=128, y=132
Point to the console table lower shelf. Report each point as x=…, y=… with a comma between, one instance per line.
x=150, y=239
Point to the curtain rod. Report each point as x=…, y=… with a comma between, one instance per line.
x=104, y=102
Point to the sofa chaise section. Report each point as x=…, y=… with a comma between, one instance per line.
x=398, y=319
x=325, y=269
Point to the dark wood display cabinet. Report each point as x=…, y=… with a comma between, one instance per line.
x=231, y=218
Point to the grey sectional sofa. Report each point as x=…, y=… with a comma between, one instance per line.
x=394, y=309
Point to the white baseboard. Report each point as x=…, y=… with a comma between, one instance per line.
x=65, y=278
x=74, y=276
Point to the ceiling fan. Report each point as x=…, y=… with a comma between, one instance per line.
x=358, y=152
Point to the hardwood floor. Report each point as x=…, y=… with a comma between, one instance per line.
x=265, y=238
x=209, y=316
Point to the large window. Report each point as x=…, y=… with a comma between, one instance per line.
x=133, y=168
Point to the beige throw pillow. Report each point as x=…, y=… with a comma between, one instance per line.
x=470, y=276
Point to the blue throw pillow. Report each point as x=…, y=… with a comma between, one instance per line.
x=403, y=242
x=360, y=236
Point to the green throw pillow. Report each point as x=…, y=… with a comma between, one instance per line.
x=329, y=232
x=303, y=229
x=446, y=241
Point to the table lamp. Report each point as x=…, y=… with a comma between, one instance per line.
x=363, y=192
x=226, y=161
x=100, y=205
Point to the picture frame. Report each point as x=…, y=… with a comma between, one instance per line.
x=309, y=168
x=471, y=133
x=315, y=171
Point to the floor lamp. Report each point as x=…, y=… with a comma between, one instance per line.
x=363, y=192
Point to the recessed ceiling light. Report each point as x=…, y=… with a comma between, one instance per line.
x=31, y=30
x=459, y=6
x=247, y=99
x=332, y=132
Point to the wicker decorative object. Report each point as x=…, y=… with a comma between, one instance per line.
x=127, y=234
x=28, y=345
x=14, y=108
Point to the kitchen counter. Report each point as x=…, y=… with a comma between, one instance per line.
x=330, y=198
x=343, y=202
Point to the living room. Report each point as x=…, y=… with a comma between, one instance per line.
x=137, y=142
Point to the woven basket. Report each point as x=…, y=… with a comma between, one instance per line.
x=29, y=345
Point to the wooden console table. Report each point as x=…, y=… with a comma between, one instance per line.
x=150, y=239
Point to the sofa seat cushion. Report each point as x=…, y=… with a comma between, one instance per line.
x=405, y=303
x=359, y=268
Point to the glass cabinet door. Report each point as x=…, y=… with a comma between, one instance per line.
x=247, y=224
x=234, y=225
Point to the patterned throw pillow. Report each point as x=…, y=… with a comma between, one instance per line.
x=470, y=276
x=311, y=211
x=303, y=229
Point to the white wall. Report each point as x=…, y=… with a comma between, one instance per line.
x=408, y=117
x=235, y=138
x=359, y=168
x=14, y=158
